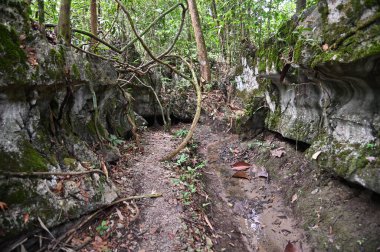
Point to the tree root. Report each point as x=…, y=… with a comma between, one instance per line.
x=196, y=117
x=135, y=134
x=194, y=81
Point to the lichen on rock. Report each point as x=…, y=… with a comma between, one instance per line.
x=45, y=104
x=328, y=96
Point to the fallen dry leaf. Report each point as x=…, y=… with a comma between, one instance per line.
x=325, y=47
x=22, y=37
x=121, y=217
x=371, y=159
x=3, y=205
x=279, y=152
x=99, y=244
x=240, y=166
x=104, y=168
x=45, y=228
x=25, y=217
x=31, y=52
x=294, y=198
x=262, y=173
x=235, y=151
x=291, y=248
x=240, y=174
x=315, y=155
x=77, y=241
x=59, y=187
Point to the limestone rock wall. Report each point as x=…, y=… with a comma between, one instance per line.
x=329, y=97
x=51, y=98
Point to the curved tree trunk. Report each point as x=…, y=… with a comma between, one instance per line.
x=201, y=46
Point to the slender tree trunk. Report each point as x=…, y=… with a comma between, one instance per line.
x=201, y=46
x=269, y=17
x=93, y=20
x=64, y=30
x=300, y=6
x=41, y=14
x=214, y=14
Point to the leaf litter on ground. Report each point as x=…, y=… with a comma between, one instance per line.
x=279, y=152
x=3, y=205
x=241, y=166
x=294, y=198
x=262, y=173
x=241, y=174
x=290, y=247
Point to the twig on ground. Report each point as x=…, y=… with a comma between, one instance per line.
x=43, y=174
x=69, y=234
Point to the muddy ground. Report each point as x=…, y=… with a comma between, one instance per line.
x=283, y=199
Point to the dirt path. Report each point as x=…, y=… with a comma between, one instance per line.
x=161, y=220
x=248, y=215
x=243, y=215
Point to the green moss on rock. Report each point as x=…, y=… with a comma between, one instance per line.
x=15, y=192
x=69, y=162
x=13, y=58
x=27, y=160
x=75, y=71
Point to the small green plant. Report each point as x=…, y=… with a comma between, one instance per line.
x=194, y=146
x=188, y=179
x=182, y=159
x=181, y=133
x=102, y=228
x=370, y=146
x=115, y=141
x=176, y=181
x=186, y=198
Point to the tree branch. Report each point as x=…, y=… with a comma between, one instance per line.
x=170, y=48
x=43, y=174
x=146, y=48
x=154, y=22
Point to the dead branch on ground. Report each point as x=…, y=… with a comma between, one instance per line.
x=67, y=236
x=47, y=174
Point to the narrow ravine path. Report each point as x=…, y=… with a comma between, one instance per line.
x=240, y=214
x=161, y=219
x=247, y=215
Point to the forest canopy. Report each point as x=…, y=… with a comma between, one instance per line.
x=225, y=24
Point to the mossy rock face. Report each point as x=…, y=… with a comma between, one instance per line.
x=358, y=163
x=44, y=109
x=13, y=58
x=329, y=90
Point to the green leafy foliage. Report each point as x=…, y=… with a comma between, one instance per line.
x=227, y=25
x=115, y=141
x=181, y=133
x=183, y=157
x=102, y=228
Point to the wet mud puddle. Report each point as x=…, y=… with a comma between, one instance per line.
x=250, y=208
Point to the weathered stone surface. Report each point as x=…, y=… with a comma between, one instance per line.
x=49, y=96
x=329, y=95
